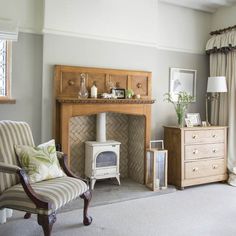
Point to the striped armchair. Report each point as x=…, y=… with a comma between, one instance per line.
x=42, y=198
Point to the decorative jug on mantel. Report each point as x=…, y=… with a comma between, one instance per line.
x=83, y=92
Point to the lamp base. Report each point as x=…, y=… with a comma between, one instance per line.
x=210, y=98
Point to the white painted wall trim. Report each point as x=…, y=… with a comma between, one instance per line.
x=30, y=30
x=184, y=50
x=119, y=40
x=98, y=37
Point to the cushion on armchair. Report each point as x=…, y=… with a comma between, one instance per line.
x=40, y=163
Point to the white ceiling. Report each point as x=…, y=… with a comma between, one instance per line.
x=203, y=5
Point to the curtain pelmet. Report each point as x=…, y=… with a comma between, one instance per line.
x=222, y=43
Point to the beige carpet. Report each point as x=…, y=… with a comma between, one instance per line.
x=207, y=210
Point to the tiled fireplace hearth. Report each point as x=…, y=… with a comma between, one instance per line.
x=128, y=120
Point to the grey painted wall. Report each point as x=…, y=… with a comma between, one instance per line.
x=26, y=83
x=32, y=88
x=94, y=53
x=163, y=112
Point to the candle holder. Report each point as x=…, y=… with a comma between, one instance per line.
x=156, y=167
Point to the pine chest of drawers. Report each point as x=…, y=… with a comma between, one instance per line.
x=196, y=155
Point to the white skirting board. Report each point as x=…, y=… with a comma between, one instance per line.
x=4, y=214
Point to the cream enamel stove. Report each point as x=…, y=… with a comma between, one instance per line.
x=102, y=156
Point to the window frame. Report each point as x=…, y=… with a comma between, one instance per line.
x=7, y=98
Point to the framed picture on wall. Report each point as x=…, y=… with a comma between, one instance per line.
x=182, y=80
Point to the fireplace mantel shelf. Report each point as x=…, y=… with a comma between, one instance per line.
x=105, y=101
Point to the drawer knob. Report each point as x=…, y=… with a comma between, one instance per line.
x=71, y=82
x=195, y=169
x=214, y=150
x=195, y=151
x=213, y=135
x=118, y=84
x=139, y=85
x=215, y=166
x=194, y=136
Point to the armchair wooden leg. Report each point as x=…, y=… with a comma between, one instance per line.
x=87, y=197
x=47, y=221
x=27, y=215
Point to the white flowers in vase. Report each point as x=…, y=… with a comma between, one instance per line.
x=180, y=105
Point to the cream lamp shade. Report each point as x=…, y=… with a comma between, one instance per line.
x=216, y=84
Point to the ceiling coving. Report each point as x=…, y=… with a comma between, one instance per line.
x=202, y=5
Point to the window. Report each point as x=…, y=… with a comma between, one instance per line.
x=5, y=71
x=3, y=68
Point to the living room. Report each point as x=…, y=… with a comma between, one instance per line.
x=118, y=37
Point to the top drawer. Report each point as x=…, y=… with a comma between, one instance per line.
x=204, y=136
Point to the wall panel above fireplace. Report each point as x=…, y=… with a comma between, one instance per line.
x=67, y=83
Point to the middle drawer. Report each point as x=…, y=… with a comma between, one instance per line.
x=204, y=151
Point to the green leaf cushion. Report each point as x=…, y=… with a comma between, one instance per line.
x=40, y=163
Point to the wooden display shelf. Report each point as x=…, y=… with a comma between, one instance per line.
x=105, y=101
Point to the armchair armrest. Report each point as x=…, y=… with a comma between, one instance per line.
x=39, y=201
x=63, y=163
x=10, y=169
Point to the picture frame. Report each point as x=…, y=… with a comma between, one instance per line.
x=194, y=118
x=188, y=122
x=120, y=93
x=182, y=80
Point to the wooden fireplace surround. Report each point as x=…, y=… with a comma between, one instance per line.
x=67, y=104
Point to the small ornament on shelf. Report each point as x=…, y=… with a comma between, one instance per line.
x=129, y=93
x=83, y=92
x=94, y=90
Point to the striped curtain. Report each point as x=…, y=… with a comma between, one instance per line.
x=222, y=51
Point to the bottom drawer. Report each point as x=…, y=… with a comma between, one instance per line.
x=204, y=168
x=106, y=171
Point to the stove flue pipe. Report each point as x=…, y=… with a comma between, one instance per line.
x=101, y=127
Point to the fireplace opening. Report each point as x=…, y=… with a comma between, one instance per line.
x=129, y=133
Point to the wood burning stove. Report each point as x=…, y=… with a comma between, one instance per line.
x=102, y=160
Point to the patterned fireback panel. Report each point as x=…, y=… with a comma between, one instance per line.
x=129, y=130
x=136, y=148
x=117, y=129
x=82, y=128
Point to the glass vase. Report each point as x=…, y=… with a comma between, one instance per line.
x=180, y=118
x=180, y=112
x=83, y=92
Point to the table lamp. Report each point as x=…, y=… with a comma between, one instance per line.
x=216, y=85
